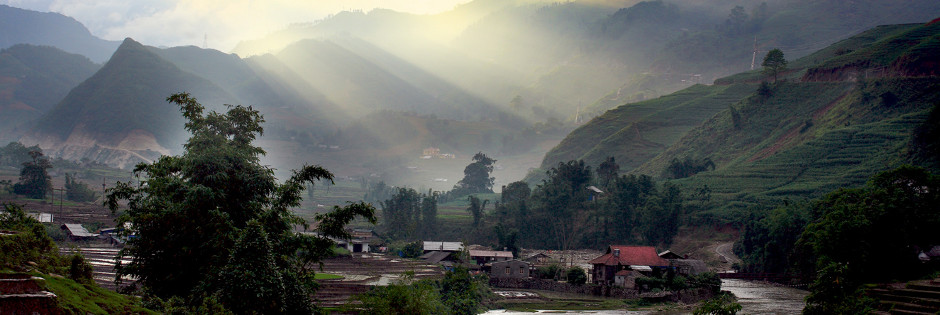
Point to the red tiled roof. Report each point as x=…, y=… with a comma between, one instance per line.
x=630, y=255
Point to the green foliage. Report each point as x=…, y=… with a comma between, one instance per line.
x=721, y=304
x=875, y=231
x=193, y=214
x=413, y=249
x=80, y=270
x=476, y=209
x=925, y=144
x=576, y=275
x=458, y=293
x=34, y=179
x=708, y=280
x=688, y=166
x=607, y=171
x=77, y=191
x=836, y=291
x=767, y=242
x=404, y=297
x=551, y=272
x=29, y=244
x=408, y=214
x=476, y=176
x=774, y=63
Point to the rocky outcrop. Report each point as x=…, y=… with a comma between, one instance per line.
x=137, y=146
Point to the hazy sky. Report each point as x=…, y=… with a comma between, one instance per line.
x=224, y=22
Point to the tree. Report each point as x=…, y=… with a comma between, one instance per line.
x=34, y=179
x=774, y=63
x=576, y=275
x=476, y=209
x=77, y=191
x=476, y=177
x=192, y=214
x=607, y=171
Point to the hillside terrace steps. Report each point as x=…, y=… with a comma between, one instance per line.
x=362, y=271
x=916, y=297
x=24, y=294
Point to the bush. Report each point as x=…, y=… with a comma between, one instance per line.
x=722, y=304
x=548, y=272
x=576, y=275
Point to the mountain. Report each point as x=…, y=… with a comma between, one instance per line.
x=33, y=79
x=119, y=115
x=839, y=116
x=18, y=26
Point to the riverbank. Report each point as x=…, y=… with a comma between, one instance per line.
x=529, y=301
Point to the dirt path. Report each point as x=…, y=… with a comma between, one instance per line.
x=725, y=251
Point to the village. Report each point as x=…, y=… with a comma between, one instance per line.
x=529, y=277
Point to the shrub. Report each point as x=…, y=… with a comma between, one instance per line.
x=576, y=275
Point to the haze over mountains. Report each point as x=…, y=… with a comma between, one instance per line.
x=504, y=77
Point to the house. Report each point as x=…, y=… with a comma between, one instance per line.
x=621, y=257
x=430, y=246
x=77, y=232
x=354, y=245
x=483, y=257
x=436, y=257
x=516, y=269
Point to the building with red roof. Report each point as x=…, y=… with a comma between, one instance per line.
x=623, y=257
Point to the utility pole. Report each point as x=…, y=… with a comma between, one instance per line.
x=205, y=40
x=754, y=56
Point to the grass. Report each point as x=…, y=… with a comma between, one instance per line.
x=77, y=298
x=326, y=276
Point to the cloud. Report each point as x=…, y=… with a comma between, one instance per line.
x=222, y=23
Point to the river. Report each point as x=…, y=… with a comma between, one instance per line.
x=756, y=298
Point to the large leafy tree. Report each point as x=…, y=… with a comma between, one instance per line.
x=476, y=177
x=774, y=63
x=214, y=222
x=34, y=179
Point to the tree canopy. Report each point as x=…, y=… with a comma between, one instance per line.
x=34, y=179
x=476, y=177
x=214, y=222
x=774, y=63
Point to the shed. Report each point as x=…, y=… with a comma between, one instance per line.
x=515, y=268
x=442, y=246
x=77, y=232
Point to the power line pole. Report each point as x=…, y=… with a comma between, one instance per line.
x=754, y=56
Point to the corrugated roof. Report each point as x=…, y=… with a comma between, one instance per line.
x=78, y=231
x=490, y=253
x=630, y=255
x=443, y=246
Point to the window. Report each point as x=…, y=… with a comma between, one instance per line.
x=508, y=271
x=521, y=270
